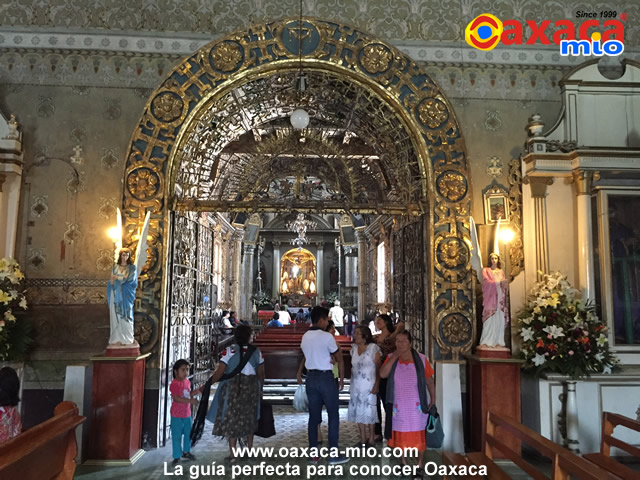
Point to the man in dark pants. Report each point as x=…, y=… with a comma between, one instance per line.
x=318, y=346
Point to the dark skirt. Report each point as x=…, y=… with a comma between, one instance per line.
x=241, y=416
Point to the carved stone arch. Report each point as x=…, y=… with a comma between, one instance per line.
x=441, y=189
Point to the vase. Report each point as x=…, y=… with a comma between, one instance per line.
x=571, y=417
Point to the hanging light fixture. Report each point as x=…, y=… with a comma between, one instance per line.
x=300, y=226
x=299, y=118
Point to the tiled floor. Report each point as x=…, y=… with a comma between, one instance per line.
x=291, y=428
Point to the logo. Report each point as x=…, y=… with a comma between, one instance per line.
x=483, y=32
x=486, y=31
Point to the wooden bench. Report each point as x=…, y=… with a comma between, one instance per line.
x=564, y=463
x=45, y=451
x=603, y=458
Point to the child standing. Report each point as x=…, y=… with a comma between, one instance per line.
x=10, y=422
x=181, y=394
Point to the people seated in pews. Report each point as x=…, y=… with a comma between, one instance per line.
x=363, y=391
x=275, y=321
x=182, y=399
x=300, y=316
x=285, y=318
x=409, y=376
x=10, y=421
x=226, y=319
x=233, y=319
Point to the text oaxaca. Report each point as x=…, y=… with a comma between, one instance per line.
x=590, y=37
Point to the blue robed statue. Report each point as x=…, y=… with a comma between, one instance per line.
x=122, y=286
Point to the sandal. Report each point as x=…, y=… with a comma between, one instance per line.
x=230, y=459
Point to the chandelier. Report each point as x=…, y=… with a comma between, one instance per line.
x=299, y=226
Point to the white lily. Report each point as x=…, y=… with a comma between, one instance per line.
x=539, y=359
x=527, y=334
x=554, y=331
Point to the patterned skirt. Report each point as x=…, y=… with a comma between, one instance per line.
x=240, y=419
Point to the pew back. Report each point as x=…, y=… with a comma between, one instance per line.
x=45, y=451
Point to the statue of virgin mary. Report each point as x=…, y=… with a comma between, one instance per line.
x=122, y=286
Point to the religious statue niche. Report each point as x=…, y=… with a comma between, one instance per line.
x=298, y=273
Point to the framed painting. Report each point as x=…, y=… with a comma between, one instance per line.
x=496, y=206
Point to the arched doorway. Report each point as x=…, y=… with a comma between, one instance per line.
x=407, y=160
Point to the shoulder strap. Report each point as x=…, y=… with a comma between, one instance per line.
x=243, y=361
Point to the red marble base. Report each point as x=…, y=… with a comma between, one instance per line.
x=494, y=384
x=115, y=433
x=120, y=352
x=492, y=353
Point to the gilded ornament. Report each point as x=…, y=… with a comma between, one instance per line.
x=456, y=329
x=451, y=253
x=376, y=58
x=142, y=329
x=142, y=183
x=167, y=107
x=433, y=113
x=452, y=186
x=226, y=56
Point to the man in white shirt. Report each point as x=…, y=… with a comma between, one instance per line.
x=285, y=319
x=337, y=315
x=318, y=346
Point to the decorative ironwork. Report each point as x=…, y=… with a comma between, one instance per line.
x=191, y=304
x=408, y=280
x=396, y=134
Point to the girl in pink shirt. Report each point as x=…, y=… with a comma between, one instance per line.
x=181, y=394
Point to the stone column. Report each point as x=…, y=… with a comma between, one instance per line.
x=10, y=184
x=362, y=274
x=236, y=271
x=583, y=180
x=275, y=284
x=538, y=187
x=247, y=282
x=320, y=270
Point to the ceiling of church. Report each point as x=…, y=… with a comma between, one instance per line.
x=395, y=20
x=354, y=153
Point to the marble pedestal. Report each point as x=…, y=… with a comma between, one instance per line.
x=493, y=384
x=116, y=410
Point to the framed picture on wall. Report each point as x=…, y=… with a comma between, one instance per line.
x=496, y=206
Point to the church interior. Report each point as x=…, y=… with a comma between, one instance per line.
x=260, y=157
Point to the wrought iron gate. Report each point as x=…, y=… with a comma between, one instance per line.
x=409, y=280
x=191, y=307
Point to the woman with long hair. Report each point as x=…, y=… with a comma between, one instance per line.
x=236, y=406
x=387, y=345
x=365, y=361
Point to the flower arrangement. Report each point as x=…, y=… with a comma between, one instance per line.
x=562, y=334
x=331, y=297
x=14, y=334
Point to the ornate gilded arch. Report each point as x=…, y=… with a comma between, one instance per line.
x=443, y=199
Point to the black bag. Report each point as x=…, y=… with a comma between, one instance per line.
x=266, y=425
x=434, y=432
x=197, y=428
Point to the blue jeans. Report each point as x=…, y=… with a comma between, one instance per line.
x=180, y=427
x=322, y=389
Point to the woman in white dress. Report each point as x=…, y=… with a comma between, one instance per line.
x=495, y=311
x=365, y=362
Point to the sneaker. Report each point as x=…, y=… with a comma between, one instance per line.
x=188, y=456
x=175, y=462
x=338, y=460
x=314, y=460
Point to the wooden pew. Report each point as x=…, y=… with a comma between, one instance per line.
x=603, y=458
x=45, y=451
x=498, y=426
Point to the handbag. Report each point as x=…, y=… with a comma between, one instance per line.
x=266, y=425
x=300, y=399
x=434, y=432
